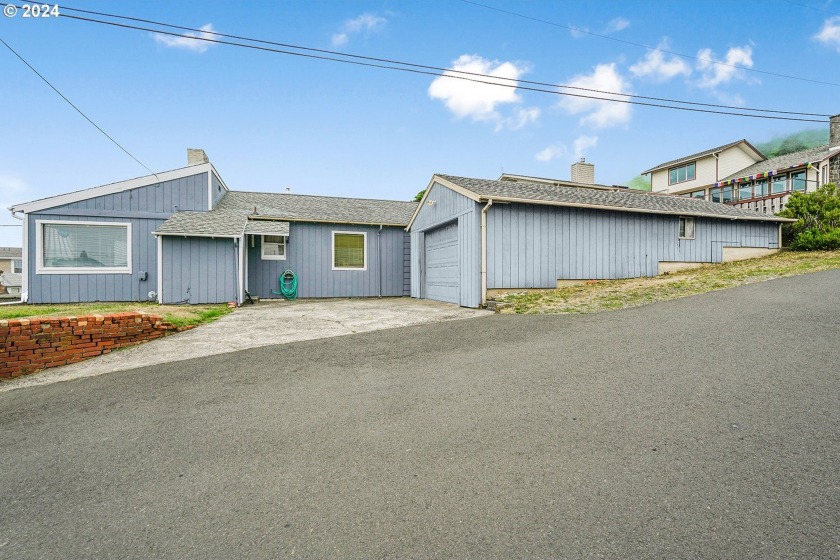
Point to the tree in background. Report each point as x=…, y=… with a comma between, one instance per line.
x=817, y=216
x=639, y=182
x=796, y=142
x=419, y=196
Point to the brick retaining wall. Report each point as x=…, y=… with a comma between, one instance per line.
x=30, y=345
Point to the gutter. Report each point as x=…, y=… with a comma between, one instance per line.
x=484, y=251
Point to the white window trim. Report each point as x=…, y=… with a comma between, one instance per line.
x=686, y=173
x=15, y=269
x=39, y=250
x=693, y=227
x=364, y=254
x=274, y=257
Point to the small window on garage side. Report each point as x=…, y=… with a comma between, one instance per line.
x=686, y=228
x=274, y=247
x=349, y=251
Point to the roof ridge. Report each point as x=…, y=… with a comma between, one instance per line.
x=323, y=196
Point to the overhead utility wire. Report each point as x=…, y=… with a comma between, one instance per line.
x=436, y=68
x=642, y=45
x=87, y=118
x=436, y=74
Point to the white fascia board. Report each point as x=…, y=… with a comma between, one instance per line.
x=111, y=188
x=760, y=218
x=448, y=184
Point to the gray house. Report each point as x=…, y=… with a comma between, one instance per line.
x=472, y=236
x=183, y=236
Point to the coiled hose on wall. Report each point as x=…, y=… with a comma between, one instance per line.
x=288, y=285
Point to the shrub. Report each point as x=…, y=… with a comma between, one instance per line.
x=817, y=216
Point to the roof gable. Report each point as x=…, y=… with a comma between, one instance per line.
x=113, y=188
x=744, y=144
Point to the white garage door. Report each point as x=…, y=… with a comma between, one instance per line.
x=442, y=276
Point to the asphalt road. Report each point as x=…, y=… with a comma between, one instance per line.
x=707, y=427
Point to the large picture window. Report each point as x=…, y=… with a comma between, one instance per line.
x=797, y=181
x=273, y=247
x=779, y=184
x=681, y=174
x=349, y=250
x=83, y=247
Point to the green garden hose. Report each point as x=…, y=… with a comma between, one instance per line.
x=288, y=285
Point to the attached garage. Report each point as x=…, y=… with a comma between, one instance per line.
x=470, y=236
x=441, y=279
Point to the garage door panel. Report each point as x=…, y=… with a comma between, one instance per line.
x=442, y=278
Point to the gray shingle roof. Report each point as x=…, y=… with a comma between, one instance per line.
x=10, y=252
x=624, y=200
x=298, y=207
x=783, y=162
x=699, y=155
x=266, y=227
x=217, y=223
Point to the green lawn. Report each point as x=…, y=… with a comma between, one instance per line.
x=603, y=295
x=178, y=315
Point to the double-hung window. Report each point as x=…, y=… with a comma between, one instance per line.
x=682, y=173
x=83, y=247
x=274, y=247
x=349, y=250
x=686, y=228
x=17, y=266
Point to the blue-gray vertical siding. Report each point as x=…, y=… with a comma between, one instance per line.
x=309, y=255
x=218, y=190
x=199, y=270
x=74, y=288
x=145, y=208
x=531, y=246
x=447, y=207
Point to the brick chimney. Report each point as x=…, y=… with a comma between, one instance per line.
x=583, y=172
x=834, y=132
x=196, y=156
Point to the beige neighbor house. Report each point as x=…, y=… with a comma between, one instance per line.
x=11, y=266
x=739, y=175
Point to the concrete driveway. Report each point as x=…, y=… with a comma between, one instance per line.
x=266, y=323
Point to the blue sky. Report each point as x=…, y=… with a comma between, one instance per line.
x=271, y=121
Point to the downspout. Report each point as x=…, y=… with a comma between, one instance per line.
x=379, y=256
x=484, y=251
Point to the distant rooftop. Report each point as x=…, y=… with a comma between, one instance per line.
x=11, y=253
x=702, y=154
x=793, y=159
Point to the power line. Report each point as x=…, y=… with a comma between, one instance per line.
x=427, y=67
x=88, y=119
x=446, y=73
x=642, y=45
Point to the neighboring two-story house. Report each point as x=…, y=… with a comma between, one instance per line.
x=739, y=175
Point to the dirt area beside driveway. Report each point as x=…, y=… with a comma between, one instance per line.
x=266, y=323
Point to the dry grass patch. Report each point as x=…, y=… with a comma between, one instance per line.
x=604, y=295
x=179, y=315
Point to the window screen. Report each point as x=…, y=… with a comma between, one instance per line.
x=85, y=246
x=348, y=250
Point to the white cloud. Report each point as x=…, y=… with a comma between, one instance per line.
x=520, y=118
x=597, y=113
x=578, y=32
x=186, y=42
x=366, y=23
x=582, y=143
x=715, y=74
x=829, y=35
x=617, y=24
x=551, y=152
x=479, y=101
x=658, y=67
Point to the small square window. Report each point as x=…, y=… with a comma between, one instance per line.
x=273, y=247
x=349, y=251
x=686, y=228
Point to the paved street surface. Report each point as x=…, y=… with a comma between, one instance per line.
x=707, y=427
